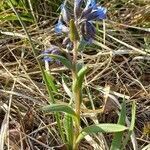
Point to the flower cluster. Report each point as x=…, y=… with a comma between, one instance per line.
x=83, y=17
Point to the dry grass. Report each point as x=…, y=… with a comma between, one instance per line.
x=120, y=60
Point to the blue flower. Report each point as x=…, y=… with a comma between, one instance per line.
x=60, y=27
x=88, y=31
x=83, y=19
x=97, y=14
x=90, y=4
x=53, y=50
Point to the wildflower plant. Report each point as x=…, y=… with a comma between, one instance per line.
x=77, y=26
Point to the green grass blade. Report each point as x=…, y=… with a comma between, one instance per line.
x=51, y=98
x=116, y=143
x=13, y=17
x=81, y=75
x=103, y=128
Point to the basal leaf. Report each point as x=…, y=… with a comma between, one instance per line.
x=104, y=128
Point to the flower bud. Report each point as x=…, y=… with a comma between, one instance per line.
x=74, y=36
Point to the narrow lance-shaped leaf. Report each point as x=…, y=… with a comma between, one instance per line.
x=68, y=125
x=104, y=128
x=116, y=143
x=59, y=108
x=79, y=81
x=81, y=75
x=50, y=81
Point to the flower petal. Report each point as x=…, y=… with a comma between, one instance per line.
x=90, y=3
x=88, y=31
x=97, y=14
x=60, y=27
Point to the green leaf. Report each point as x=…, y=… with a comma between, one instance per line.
x=79, y=81
x=59, y=108
x=62, y=59
x=74, y=36
x=14, y=2
x=68, y=125
x=50, y=82
x=104, y=128
x=116, y=143
x=81, y=75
